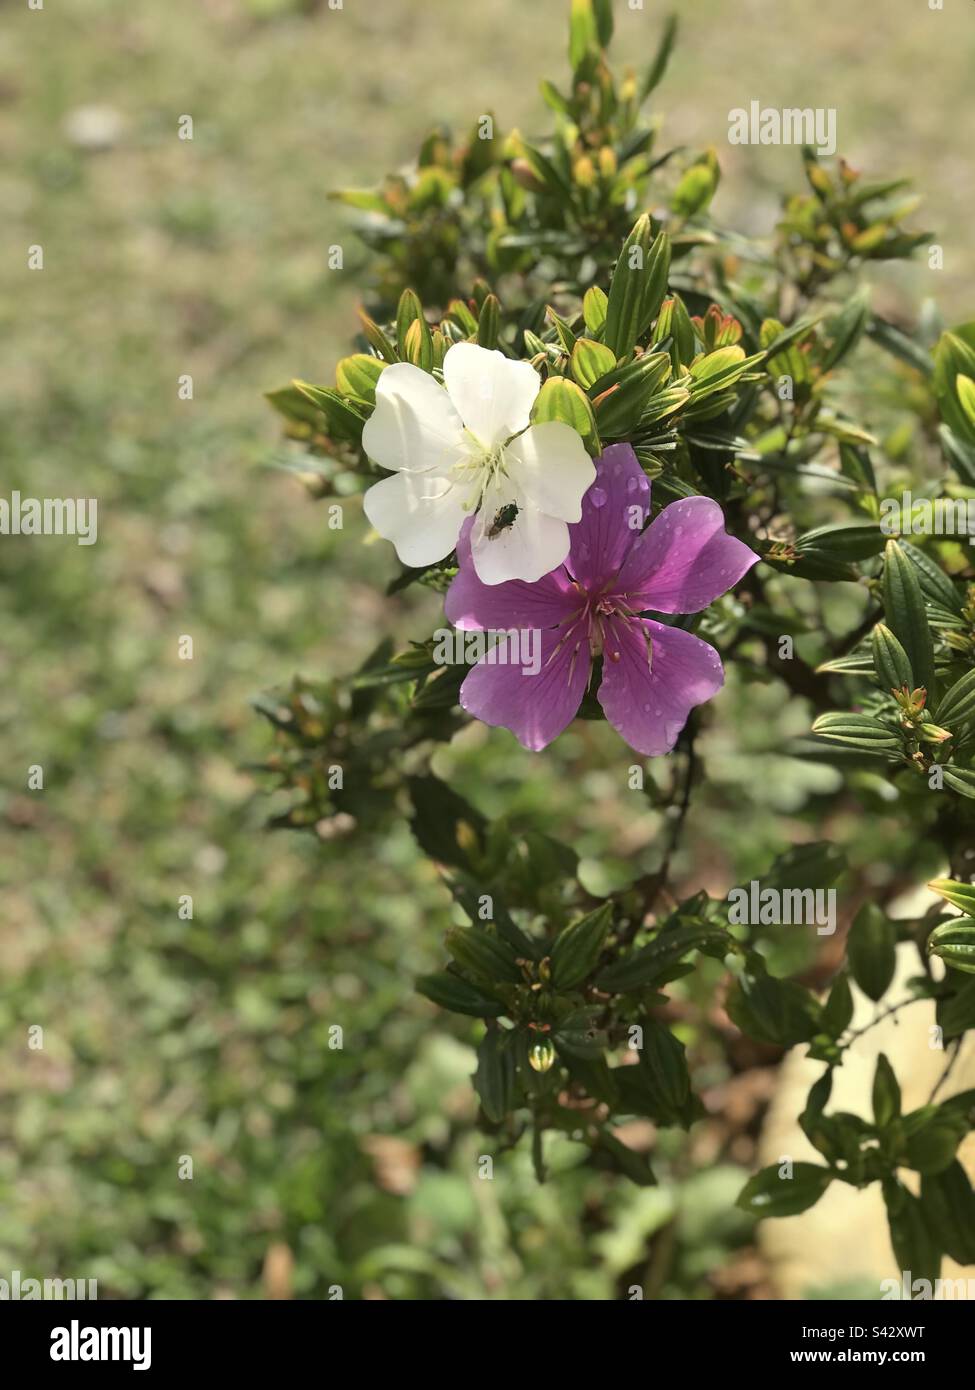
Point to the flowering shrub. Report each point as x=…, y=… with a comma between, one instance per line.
x=634, y=451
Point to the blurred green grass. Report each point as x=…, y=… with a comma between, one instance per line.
x=210, y=1038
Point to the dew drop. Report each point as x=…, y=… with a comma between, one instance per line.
x=598, y=497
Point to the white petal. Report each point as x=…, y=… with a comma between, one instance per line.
x=414, y=426
x=493, y=395
x=421, y=514
x=550, y=465
x=532, y=546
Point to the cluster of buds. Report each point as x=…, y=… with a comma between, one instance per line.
x=915, y=718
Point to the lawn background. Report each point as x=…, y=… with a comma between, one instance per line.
x=209, y=1039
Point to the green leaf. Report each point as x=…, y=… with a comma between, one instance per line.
x=341, y=418
x=959, y=453
x=554, y=99
x=915, y=1247
x=622, y=396
x=674, y=322
x=578, y=946
x=577, y=1036
x=954, y=943
x=814, y=865
x=890, y=660
x=956, y=1014
x=962, y=1105
x=468, y=895
x=566, y=337
x=590, y=361
x=478, y=952
x=719, y=370
x=664, y=1063
x=855, y=464
x=489, y=322
x=357, y=376
x=655, y=72
x=593, y=1074
x=778, y=1012
x=847, y=327
x=604, y=21
x=594, y=306
x=957, y=708
x=447, y=828
x=886, y=1094
x=959, y=779
x=418, y=345
x=377, y=339
x=563, y=401
x=954, y=357
x=965, y=391
x=638, y=287
x=905, y=612
x=641, y=968
x=871, y=950
x=458, y=312
x=546, y=173
x=960, y=895
x=855, y=663
x=856, y=541
x=363, y=199
x=451, y=992
x=407, y=312
x=900, y=344
x=935, y=584
x=626, y=291
x=695, y=189
x=948, y=1208
x=295, y=406
x=663, y=403
x=769, y=1194
x=494, y=1079
x=931, y=1145
x=633, y=1165
x=857, y=731
x=838, y=1009
x=818, y=1098
x=583, y=33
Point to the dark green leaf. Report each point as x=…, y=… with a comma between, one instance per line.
x=769, y=1194
x=906, y=616
x=871, y=949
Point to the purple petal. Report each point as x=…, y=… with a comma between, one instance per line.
x=536, y=708
x=684, y=560
x=648, y=703
x=472, y=605
x=614, y=511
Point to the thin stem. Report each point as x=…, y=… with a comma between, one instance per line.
x=948, y=1068
x=886, y=1013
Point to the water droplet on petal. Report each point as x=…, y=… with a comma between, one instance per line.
x=597, y=497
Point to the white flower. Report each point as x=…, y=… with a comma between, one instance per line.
x=468, y=445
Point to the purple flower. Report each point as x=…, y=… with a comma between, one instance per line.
x=653, y=675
